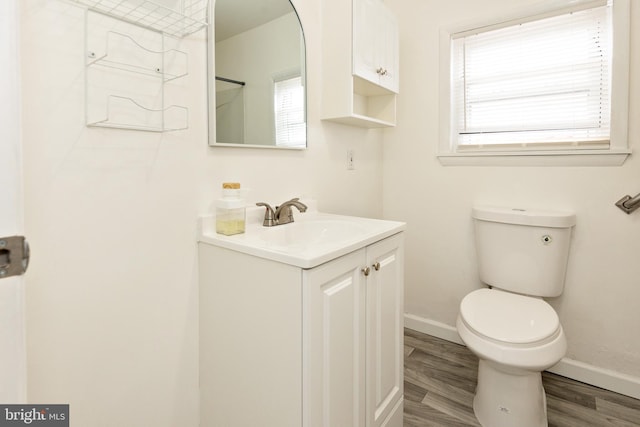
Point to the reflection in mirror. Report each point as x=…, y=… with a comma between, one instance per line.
x=257, y=95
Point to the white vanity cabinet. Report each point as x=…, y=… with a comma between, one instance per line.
x=360, y=63
x=287, y=346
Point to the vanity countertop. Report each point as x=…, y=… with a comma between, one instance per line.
x=313, y=239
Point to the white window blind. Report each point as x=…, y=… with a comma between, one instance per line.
x=289, y=112
x=538, y=84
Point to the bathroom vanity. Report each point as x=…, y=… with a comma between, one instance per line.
x=302, y=324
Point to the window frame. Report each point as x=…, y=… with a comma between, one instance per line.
x=618, y=150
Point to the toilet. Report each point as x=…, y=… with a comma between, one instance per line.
x=522, y=257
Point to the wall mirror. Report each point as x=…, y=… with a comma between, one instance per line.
x=256, y=75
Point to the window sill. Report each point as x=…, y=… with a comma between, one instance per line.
x=536, y=158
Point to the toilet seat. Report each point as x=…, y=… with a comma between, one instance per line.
x=509, y=318
x=489, y=321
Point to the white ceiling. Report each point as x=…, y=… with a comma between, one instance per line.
x=237, y=16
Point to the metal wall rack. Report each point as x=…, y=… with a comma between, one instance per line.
x=125, y=78
x=125, y=113
x=167, y=65
x=186, y=18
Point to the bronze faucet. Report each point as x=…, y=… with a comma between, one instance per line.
x=282, y=214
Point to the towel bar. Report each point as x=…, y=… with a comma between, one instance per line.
x=628, y=203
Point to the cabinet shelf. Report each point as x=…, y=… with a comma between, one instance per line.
x=140, y=59
x=362, y=121
x=125, y=113
x=368, y=106
x=178, y=23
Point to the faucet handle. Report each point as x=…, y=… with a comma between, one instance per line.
x=269, y=215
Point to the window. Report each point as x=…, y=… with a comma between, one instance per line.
x=541, y=84
x=290, y=126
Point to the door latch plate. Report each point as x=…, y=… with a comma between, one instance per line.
x=14, y=256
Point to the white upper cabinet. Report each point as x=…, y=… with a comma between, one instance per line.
x=375, y=44
x=359, y=63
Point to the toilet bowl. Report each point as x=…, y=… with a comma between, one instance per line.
x=522, y=257
x=515, y=337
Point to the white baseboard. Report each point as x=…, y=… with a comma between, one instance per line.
x=431, y=327
x=574, y=369
x=599, y=377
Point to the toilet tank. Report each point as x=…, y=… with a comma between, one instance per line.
x=523, y=251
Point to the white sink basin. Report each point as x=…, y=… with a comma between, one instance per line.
x=310, y=232
x=314, y=238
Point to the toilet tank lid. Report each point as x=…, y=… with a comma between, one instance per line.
x=533, y=217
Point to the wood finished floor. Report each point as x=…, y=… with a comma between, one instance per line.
x=440, y=380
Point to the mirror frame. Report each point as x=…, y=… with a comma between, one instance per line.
x=211, y=87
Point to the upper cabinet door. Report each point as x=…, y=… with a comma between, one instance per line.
x=375, y=44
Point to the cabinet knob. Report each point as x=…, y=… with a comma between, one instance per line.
x=376, y=266
x=366, y=271
x=381, y=71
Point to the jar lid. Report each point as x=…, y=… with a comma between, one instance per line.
x=231, y=185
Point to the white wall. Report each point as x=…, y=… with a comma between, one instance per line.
x=112, y=290
x=599, y=308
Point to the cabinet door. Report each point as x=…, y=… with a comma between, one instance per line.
x=375, y=44
x=364, y=40
x=384, y=329
x=333, y=343
x=388, y=49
